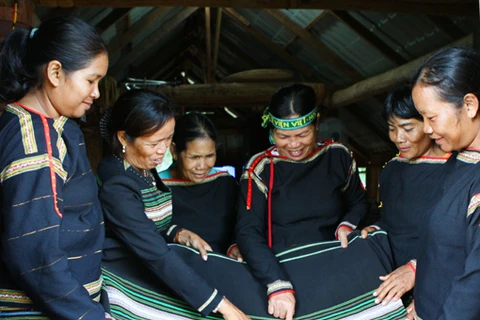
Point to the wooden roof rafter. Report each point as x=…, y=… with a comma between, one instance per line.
x=320, y=48
x=136, y=29
x=439, y=7
x=112, y=18
x=278, y=50
x=369, y=37
x=152, y=40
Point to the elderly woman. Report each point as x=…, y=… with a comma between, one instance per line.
x=52, y=226
x=137, y=208
x=204, y=199
x=407, y=190
x=446, y=93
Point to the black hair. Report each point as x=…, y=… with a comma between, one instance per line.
x=193, y=126
x=292, y=100
x=138, y=112
x=70, y=40
x=453, y=72
x=399, y=103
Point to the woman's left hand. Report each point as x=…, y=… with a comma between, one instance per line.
x=191, y=239
x=395, y=284
x=412, y=314
x=342, y=235
x=235, y=254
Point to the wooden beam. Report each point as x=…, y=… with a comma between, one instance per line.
x=218, y=27
x=112, y=18
x=370, y=37
x=287, y=57
x=447, y=26
x=152, y=40
x=439, y=7
x=136, y=29
x=208, y=45
x=232, y=94
x=318, y=18
x=383, y=82
x=321, y=49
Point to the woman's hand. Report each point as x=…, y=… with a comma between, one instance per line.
x=235, y=253
x=412, y=314
x=366, y=231
x=395, y=284
x=230, y=312
x=342, y=235
x=191, y=239
x=282, y=305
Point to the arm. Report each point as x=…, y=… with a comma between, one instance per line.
x=251, y=233
x=124, y=212
x=354, y=195
x=462, y=299
x=251, y=237
x=31, y=243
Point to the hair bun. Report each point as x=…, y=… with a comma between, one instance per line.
x=105, y=125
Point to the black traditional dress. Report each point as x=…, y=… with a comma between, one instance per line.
x=448, y=270
x=51, y=221
x=310, y=199
x=408, y=189
x=137, y=261
x=207, y=208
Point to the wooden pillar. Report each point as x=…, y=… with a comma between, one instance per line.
x=373, y=177
x=24, y=14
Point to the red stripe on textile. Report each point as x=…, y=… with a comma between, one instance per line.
x=53, y=178
x=249, y=189
x=270, y=187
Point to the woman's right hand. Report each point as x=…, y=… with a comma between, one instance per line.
x=366, y=231
x=230, y=312
x=282, y=306
x=191, y=239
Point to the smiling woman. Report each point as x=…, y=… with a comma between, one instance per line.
x=137, y=208
x=297, y=192
x=446, y=93
x=204, y=200
x=50, y=211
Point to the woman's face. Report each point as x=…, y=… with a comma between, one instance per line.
x=450, y=127
x=197, y=160
x=295, y=144
x=147, y=152
x=408, y=136
x=75, y=92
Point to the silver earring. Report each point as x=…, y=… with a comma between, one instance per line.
x=124, y=148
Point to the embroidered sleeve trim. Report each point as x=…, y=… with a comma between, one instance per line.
x=214, y=294
x=474, y=203
x=279, y=285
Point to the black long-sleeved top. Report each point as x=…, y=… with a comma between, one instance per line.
x=138, y=216
x=207, y=208
x=447, y=285
x=310, y=199
x=52, y=228
x=408, y=189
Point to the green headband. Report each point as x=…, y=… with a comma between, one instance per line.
x=288, y=124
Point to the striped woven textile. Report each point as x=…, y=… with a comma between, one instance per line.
x=331, y=283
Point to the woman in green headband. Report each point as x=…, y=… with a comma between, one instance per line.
x=297, y=192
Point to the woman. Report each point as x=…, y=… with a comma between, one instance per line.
x=296, y=193
x=445, y=92
x=407, y=190
x=137, y=208
x=204, y=199
x=52, y=226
